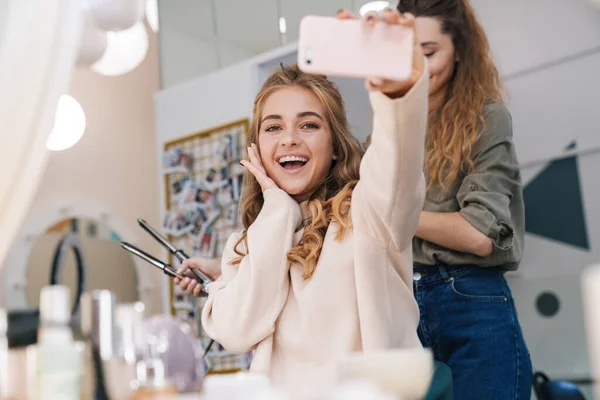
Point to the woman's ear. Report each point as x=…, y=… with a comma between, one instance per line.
x=334, y=157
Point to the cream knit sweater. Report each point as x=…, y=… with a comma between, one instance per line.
x=360, y=296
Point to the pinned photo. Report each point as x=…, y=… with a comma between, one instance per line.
x=203, y=220
x=231, y=214
x=182, y=223
x=179, y=185
x=227, y=147
x=168, y=223
x=203, y=196
x=216, y=178
x=177, y=161
x=212, y=216
x=208, y=242
x=188, y=195
x=236, y=186
x=198, y=224
x=225, y=195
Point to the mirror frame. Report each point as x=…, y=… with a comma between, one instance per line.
x=13, y=277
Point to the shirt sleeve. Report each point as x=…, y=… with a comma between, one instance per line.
x=388, y=199
x=244, y=303
x=486, y=193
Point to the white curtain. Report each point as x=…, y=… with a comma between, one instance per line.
x=39, y=43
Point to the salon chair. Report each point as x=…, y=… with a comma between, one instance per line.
x=441, y=383
x=546, y=389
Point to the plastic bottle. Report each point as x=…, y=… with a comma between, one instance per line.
x=58, y=372
x=3, y=355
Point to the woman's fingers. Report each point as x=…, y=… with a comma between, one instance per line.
x=253, y=170
x=391, y=16
x=185, y=267
x=345, y=14
x=197, y=290
x=258, y=161
x=371, y=18
x=191, y=286
x=252, y=156
x=183, y=284
x=255, y=167
x=407, y=20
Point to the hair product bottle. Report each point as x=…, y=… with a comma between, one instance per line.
x=58, y=372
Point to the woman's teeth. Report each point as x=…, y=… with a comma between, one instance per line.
x=285, y=159
x=292, y=162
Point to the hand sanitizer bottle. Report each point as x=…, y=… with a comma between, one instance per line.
x=58, y=373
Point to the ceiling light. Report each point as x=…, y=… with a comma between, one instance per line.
x=125, y=51
x=376, y=6
x=69, y=124
x=116, y=15
x=152, y=14
x=282, y=25
x=93, y=43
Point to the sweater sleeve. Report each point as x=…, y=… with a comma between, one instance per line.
x=389, y=196
x=244, y=303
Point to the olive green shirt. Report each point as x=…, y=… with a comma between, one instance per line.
x=490, y=198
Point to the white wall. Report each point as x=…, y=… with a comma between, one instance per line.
x=549, y=54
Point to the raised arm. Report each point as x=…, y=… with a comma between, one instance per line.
x=388, y=199
x=244, y=303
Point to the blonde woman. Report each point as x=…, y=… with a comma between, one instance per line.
x=323, y=266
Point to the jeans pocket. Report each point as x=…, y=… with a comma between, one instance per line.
x=480, y=286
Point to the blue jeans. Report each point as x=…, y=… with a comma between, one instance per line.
x=468, y=319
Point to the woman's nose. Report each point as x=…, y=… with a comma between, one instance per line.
x=289, y=138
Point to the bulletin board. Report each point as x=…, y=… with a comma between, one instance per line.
x=203, y=183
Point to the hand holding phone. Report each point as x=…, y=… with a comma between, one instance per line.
x=382, y=49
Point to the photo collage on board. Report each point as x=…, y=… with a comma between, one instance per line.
x=203, y=179
x=204, y=187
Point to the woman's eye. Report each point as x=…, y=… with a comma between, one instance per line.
x=429, y=54
x=272, y=128
x=310, y=125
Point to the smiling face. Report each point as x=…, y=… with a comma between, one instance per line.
x=440, y=52
x=295, y=141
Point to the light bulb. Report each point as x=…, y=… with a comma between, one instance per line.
x=93, y=42
x=282, y=25
x=125, y=51
x=69, y=124
x=152, y=14
x=376, y=6
x=116, y=15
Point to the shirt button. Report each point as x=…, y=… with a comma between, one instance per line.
x=416, y=276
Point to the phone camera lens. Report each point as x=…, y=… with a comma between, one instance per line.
x=308, y=61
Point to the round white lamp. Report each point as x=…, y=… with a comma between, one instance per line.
x=376, y=6
x=152, y=14
x=93, y=42
x=116, y=15
x=69, y=124
x=125, y=51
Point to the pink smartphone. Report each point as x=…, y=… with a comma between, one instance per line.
x=331, y=46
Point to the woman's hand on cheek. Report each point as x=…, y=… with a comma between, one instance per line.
x=255, y=167
x=393, y=89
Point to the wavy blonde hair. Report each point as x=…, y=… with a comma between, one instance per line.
x=454, y=129
x=331, y=201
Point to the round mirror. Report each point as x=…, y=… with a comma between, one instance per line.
x=107, y=265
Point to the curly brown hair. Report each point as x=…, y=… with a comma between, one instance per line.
x=331, y=201
x=454, y=129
